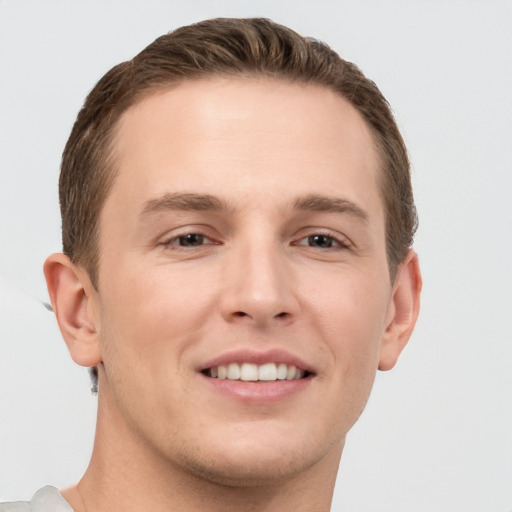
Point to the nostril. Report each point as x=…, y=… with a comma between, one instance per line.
x=242, y=314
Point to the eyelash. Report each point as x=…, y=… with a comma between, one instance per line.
x=174, y=242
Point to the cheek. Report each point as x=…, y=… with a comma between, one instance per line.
x=151, y=316
x=351, y=318
x=151, y=321
x=350, y=305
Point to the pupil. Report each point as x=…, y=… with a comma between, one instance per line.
x=320, y=241
x=192, y=240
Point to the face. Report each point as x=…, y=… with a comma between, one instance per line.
x=243, y=284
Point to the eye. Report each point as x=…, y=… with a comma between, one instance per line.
x=188, y=240
x=323, y=241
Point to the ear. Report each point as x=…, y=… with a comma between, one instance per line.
x=403, y=311
x=74, y=301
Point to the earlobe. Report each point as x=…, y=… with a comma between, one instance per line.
x=403, y=311
x=71, y=294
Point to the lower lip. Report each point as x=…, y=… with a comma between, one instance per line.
x=261, y=392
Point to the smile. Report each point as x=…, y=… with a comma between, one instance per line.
x=251, y=372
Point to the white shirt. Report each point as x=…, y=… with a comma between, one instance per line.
x=47, y=499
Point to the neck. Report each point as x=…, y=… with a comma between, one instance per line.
x=124, y=474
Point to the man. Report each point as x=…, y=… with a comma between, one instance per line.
x=237, y=220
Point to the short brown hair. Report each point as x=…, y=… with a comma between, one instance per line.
x=221, y=47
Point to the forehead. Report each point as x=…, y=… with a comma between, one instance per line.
x=233, y=136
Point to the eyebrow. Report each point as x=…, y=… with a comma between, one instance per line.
x=318, y=203
x=206, y=202
x=185, y=201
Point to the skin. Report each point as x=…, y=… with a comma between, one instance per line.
x=271, y=272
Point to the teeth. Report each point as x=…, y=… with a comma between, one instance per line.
x=222, y=372
x=267, y=371
x=282, y=370
x=254, y=372
x=233, y=371
x=248, y=371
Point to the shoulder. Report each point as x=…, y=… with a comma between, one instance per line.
x=46, y=499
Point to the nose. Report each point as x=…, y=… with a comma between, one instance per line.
x=259, y=288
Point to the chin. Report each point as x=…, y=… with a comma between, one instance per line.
x=256, y=460
x=249, y=472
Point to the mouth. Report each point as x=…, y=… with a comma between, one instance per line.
x=251, y=372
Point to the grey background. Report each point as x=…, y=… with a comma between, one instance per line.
x=437, y=432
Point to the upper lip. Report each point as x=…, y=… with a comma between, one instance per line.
x=275, y=355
